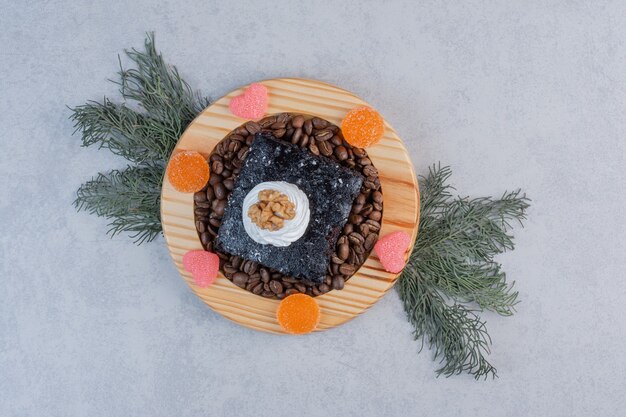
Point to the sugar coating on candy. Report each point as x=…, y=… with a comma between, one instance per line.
x=203, y=266
x=252, y=104
x=391, y=248
x=188, y=171
x=298, y=314
x=363, y=127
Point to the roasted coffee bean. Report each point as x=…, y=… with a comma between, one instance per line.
x=314, y=291
x=348, y=228
x=324, y=288
x=218, y=207
x=267, y=121
x=234, y=146
x=367, y=209
x=344, y=251
x=370, y=241
x=360, y=199
x=229, y=183
x=308, y=126
x=356, y=208
x=369, y=170
x=356, y=238
x=251, y=284
x=202, y=211
x=359, y=152
x=240, y=279
x=242, y=131
x=325, y=148
x=205, y=238
x=267, y=294
x=252, y=127
x=212, y=231
x=280, y=133
x=236, y=261
x=265, y=276
x=276, y=287
x=377, y=196
x=249, y=140
x=292, y=291
x=230, y=269
x=283, y=117
x=365, y=161
x=338, y=282
x=289, y=279
x=323, y=135
x=335, y=259
x=276, y=275
x=364, y=229
x=341, y=153
x=243, y=153
x=288, y=133
x=347, y=269
x=252, y=267
x=297, y=134
x=328, y=280
x=337, y=141
x=200, y=227
x=278, y=125
x=304, y=140
x=215, y=179
x=266, y=287
x=297, y=121
x=300, y=287
x=377, y=206
x=349, y=163
x=355, y=219
x=204, y=204
x=373, y=224
x=375, y=215
x=313, y=148
x=334, y=269
x=258, y=289
x=215, y=157
x=319, y=123
x=287, y=285
x=359, y=249
x=369, y=185
x=199, y=197
x=220, y=191
x=352, y=257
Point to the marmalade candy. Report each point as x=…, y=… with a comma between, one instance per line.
x=362, y=127
x=188, y=171
x=298, y=314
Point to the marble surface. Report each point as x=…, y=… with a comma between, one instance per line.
x=511, y=94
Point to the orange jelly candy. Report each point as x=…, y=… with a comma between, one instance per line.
x=188, y=171
x=298, y=314
x=363, y=127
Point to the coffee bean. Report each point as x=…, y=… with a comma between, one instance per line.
x=308, y=126
x=278, y=125
x=252, y=127
x=291, y=280
x=325, y=148
x=204, y=204
x=349, y=163
x=283, y=117
x=375, y=215
x=365, y=161
x=343, y=252
x=369, y=184
x=292, y=291
x=297, y=134
x=369, y=171
x=229, y=183
x=212, y=231
x=323, y=135
x=356, y=238
x=359, y=152
x=258, y=289
x=324, y=288
x=348, y=228
x=252, y=267
x=230, y=269
x=364, y=229
x=337, y=141
x=267, y=294
x=289, y=133
x=265, y=276
x=335, y=259
x=355, y=219
x=215, y=179
x=249, y=140
x=300, y=287
x=199, y=197
x=370, y=241
x=266, y=287
x=328, y=280
x=334, y=269
x=220, y=191
x=236, y=261
x=297, y=121
x=201, y=211
x=377, y=196
x=200, y=227
x=267, y=121
x=276, y=287
x=240, y=279
x=373, y=224
x=313, y=148
x=352, y=257
x=280, y=133
x=338, y=282
x=315, y=291
x=359, y=249
x=304, y=141
x=205, y=238
x=367, y=209
x=347, y=269
x=319, y=123
x=377, y=206
x=360, y=199
x=218, y=207
x=341, y=153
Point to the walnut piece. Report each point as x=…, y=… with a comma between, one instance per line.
x=272, y=209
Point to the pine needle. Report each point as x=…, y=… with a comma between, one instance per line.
x=451, y=275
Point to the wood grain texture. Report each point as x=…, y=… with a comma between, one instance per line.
x=399, y=186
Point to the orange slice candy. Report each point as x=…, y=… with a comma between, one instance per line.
x=298, y=314
x=188, y=171
x=362, y=127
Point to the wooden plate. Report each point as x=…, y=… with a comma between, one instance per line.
x=401, y=202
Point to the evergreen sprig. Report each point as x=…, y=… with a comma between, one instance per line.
x=145, y=137
x=451, y=275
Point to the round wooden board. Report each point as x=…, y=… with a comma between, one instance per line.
x=399, y=185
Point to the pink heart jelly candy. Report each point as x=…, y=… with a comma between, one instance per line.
x=252, y=104
x=391, y=249
x=203, y=266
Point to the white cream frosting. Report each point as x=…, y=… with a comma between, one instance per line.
x=292, y=230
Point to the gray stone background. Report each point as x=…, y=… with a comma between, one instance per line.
x=510, y=94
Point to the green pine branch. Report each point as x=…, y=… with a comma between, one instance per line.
x=145, y=137
x=451, y=275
